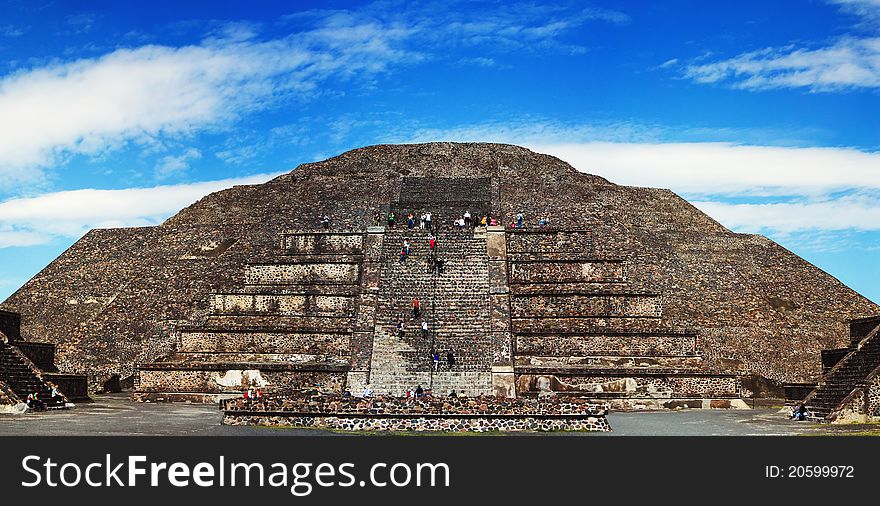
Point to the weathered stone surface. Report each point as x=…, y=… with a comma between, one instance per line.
x=468, y=414
x=617, y=260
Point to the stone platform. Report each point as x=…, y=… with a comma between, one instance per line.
x=428, y=414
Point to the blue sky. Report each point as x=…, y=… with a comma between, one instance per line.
x=764, y=114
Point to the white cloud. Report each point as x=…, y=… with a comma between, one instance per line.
x=176, y=165
x=11, y=31
x=849, y=63
x=37, y=220
x=869, y=10
x=724, y=168
x=827, y=189
x=92, y=105
x=146, y=94
x=789, y=217
x=852, y=62
x=749, y=188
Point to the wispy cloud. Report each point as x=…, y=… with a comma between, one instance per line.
x=175, y=165
x=153, y=93
x=69, y=214
x=851, y=62
x=12, y=31
x=867, y=10
x=850, y=212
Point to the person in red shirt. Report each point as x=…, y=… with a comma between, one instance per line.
x=417, y=310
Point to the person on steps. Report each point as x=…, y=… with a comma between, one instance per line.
x=400, y=330
x=391, y=218
x=34, y=403
x=416, y=307
x=425, y=330
x=450, y=360
x=519, y=220
x=57, y=398
x=325, y=221
x=436, y=358
x=420, y=392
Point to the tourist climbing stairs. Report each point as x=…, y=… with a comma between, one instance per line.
x=453, y=303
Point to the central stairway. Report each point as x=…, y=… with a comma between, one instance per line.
x=454, y=304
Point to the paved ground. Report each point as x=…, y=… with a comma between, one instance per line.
x=116, y=415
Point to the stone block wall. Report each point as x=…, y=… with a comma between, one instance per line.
x=477, y=414
x=235, y=381
x=322, y=244
x=286, y=304
x=635, y=385
x=567, y=242
x=267, y=341
x=302, y=274
x=556, y=272
x=41, y=354
x=606, y=344
x=10, y=325
x=588, y=305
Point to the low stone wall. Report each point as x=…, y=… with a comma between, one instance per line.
x=41, y=354
x=425, y=424
x=698, y=386
x=440, y=414
x=74, y=386
x=220, y=379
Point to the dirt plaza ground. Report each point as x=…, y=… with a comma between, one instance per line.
x=116, y=415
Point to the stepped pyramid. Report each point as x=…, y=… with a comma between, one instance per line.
x=631, y=294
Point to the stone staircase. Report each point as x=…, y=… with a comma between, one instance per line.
x=28, y=367
x=454, y=304
x=850, y=372
x=20, y=375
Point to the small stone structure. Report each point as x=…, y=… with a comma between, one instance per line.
x=428, y=414
x=849, y=390
x=29, y=367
